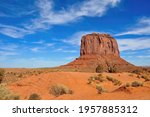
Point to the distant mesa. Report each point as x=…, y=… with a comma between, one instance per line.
x=99, y=49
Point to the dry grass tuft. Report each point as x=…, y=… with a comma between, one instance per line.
x=60, y=89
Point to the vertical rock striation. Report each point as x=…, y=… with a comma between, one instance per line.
x=99, y=44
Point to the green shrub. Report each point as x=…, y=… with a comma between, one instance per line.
x=5, y=94
x=34, y=96
x=2, y=72
x=100, y=89
x=60, y=89
x=136, y=84
x=99, y=69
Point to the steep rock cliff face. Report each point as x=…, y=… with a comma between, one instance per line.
x=99, y=49
x=99, y=44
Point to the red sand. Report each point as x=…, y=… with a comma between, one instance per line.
x=77, y=82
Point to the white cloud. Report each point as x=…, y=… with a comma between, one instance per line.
x=7, y=53
x=13, y=31
x=49, y=17
x=35, y=49
x=64, y=50
x=134, y=44
x=8, y=49
x=38, y=42
x=49, y=44
x=147, y=56
x=141, y=28
x=75, y=39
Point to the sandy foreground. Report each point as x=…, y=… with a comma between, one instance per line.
x=78, y=83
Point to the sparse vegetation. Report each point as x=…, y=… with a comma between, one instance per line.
x=2, y=72
x=113, y=80
x=100, y=89
x=112, y=69
x=34, y=96
x=99, y=78
x=136, y=84
x=5, y=94
x=109, y=78
x=60, y=89
x=137, y=71
x=138, y=76
x=145, y=78
x=131, y=75
x=99, y=69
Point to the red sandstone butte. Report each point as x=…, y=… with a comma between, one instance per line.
x=99, y=49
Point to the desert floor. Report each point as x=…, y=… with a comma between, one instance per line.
x=78, y=82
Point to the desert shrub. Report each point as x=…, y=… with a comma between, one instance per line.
x=5, y=94
x=137, y=71
x=112, y=69
x=91, y=79
x=117, y=82
x=145, y=78
x=2, y=72
x=100, y=89
x=34, y=96
x=136, y=84
x=109, y=78
x=127, y=85
x=100, y=78
x=20, y=76
x=113, y=80
x=138, y=76
x=99, y=69
x=131, y=75
x=60, y=89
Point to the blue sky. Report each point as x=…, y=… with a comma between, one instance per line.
x=47, y=33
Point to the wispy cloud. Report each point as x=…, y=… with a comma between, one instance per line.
x=75, y=39
x=147, y=56
x=8, y=49
x=35, y=49
x=7, y=53
x=134, y=44
x=141, y=28
x=48, y=16
x=49, y=44
x=15, y=9
x=64, y=50
x=38, y=42
x=13, y=31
